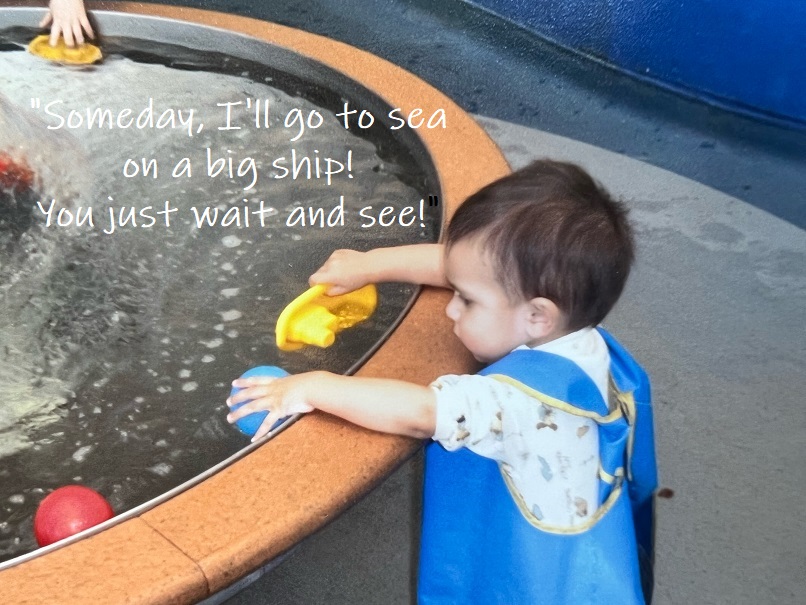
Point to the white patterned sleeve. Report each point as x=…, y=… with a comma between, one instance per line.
x=475, y=412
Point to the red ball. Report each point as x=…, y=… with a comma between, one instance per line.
x=15, y=174
x=67, y=511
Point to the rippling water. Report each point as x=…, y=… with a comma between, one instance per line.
x=116, y=351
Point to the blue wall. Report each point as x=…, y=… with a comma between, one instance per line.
x=747, y=54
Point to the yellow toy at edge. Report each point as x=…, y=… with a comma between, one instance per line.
x=314, y=318
x=83, y=54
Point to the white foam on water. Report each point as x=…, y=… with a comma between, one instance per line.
x=81, y=453
x=231, y=315
x=162, y=469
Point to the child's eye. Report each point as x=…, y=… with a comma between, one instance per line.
x=466, y=302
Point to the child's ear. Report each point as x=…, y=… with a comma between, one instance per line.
x=545, y=321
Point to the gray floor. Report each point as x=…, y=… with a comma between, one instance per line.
x=716, y=311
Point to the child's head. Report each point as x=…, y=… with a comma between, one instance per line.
x=549, y=231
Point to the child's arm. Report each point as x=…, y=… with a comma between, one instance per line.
x=348, y=270
x=67, y=18
x=389, y=406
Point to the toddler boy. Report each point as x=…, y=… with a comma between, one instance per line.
x=538, y=486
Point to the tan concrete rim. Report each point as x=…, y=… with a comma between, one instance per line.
x=204, y=539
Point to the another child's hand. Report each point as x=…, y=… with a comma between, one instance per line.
x=345, y=271
x=67, y=18
x=281, y=397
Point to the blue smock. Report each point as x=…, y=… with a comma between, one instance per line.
x=479, y=545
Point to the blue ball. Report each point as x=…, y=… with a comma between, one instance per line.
x=251, y=423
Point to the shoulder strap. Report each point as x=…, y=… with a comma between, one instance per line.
x=633, y=389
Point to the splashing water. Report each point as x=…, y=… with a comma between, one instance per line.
x=116, y=351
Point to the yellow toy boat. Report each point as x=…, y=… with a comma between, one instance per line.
x=314, y=318
x=82, y=54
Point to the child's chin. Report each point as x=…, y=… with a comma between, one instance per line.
x=488, y=357
x=481, y=358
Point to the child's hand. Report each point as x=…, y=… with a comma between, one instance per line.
x=345, y=271
x=68, y=19
x=281, y=397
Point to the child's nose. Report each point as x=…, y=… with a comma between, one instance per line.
x=452, y=310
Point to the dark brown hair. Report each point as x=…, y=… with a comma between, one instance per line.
x=551, y=231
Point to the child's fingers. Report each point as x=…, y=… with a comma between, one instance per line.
x=250, y=389
x=253, y=381
x=315, y=278
x=67, y=33
x=85, y=25
x=78, y=31
x=55, y=34
x=336, y=283
x=322, y=277
x=337, y=271
x=76, y=34
x=249, y=396
x=265, y=426
x=237, y=414
x=46, y=20
x=336, y=290
x=255, y=405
